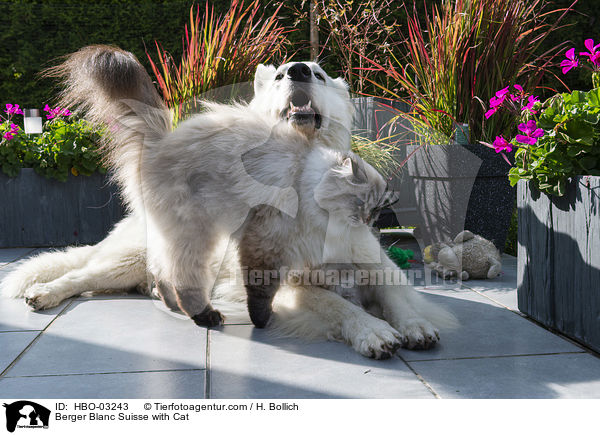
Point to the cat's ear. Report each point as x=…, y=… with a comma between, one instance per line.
x=358, y=175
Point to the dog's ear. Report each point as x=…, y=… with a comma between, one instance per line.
x=340, y=83
x=264, y=73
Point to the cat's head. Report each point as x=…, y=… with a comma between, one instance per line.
x=353, y=191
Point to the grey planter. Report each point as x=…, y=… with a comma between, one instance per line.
x=558, y=273
x=461, y=187
x=40, y=212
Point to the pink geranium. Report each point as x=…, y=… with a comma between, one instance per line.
x=57, y=111
x=13, y=109
x=501, y=144
x=570, y=62
x=531, y=100
x=14, y=129
x=517, y=96
x=592, y=54
x=532, y=133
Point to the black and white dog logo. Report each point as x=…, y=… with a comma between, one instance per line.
x=26, y=414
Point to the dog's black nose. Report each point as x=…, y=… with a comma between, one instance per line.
x=299, y=72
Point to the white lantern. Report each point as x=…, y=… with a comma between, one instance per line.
x=33, y=121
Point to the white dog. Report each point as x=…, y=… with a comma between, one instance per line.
x=285, y=155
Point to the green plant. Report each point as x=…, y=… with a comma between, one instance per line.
x=379, y=153
x=466, y=49
x=570, y=144
x=217, y=51
x=558, y=138
x=66, y=146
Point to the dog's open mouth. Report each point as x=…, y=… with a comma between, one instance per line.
x=301, y=112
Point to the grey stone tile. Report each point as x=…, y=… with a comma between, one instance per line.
x=9, y=255
x=566, y=376
x=16, y=316
x=186, y=384
x=100, y=336
x=502, y=289
x=249, y=363
x=486, y=329
x=12, y=344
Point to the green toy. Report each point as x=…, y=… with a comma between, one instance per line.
x=401, y=256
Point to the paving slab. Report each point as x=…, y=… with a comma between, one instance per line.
x=486, y=329
x=501, y=289
x=184, y=384
x=250, y=363
x=13, y=254
x=115, y=336
x=12, y=344
x=16, y=316
x=566, y=376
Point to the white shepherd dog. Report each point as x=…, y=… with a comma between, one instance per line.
x=270, y=186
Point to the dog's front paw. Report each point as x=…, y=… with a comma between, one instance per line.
x=373, y=338
x=41, y=297
x=417, y=334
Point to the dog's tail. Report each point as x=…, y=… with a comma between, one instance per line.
x=114, y=90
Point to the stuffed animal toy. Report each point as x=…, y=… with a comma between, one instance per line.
x=480, y=258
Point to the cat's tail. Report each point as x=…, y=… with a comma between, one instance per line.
x=113, y=90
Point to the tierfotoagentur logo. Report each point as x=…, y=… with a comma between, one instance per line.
x=26, y=415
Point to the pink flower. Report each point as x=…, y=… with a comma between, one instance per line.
x=501, y=144
x=50, y=111
x=14, y=129
x=502, y=92
x=592, y=54
x=532, y=133
x=570, y=62
x=530, y=103
x=517, y=97
x=496, y=101
x=490, y=112
x=57, y=111
x=13, y=109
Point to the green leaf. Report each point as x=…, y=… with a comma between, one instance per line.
x=588, y=162
x=593, y=98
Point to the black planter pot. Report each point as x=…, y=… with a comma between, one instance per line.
x=37, y=211
x=492, y=198
x=461, y=187
x=558, y=268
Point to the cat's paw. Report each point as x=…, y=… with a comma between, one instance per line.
x=209, y=317
x=417, y=334
x=372, y=337
x=41, y=297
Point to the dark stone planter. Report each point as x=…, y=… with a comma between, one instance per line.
x=492, y=198
x=40, y=212
x=558, y=272
x=461, y=187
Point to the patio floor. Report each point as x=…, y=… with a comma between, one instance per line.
x=126, y=346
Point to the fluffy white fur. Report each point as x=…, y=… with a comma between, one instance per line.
x=161, y=233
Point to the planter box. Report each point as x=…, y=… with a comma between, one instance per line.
x=558, y=274
x=40, y=212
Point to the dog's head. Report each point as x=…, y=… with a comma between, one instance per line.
x=304, y=96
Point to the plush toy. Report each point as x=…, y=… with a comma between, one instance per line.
x=480, y=258
x=401, y=256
